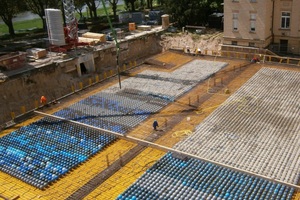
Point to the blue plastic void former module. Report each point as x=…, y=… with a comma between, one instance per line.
x=114, y=112
x=173, y=178
x=41, y=152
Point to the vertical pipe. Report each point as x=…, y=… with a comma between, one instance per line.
x=63, y=13
x=272, y=24
x=116, y=41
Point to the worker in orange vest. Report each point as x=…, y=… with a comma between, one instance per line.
x=43, y=100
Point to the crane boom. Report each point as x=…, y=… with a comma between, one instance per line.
x=71, y=21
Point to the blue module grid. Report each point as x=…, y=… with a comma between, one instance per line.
x=172, y=178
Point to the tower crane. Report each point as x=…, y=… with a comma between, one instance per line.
x=71, y=29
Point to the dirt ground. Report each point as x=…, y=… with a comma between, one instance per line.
x=211, y=40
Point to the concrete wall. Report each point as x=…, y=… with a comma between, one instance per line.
x=134, y=49
x=22, y=92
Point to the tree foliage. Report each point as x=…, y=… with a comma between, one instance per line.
x=79, y=5
x=131, y=3
x=92, y=5
x=114, y=4
x=150, y=4
x=191, y=12
x=9, y=9
x=38, y=7
x=161, y=2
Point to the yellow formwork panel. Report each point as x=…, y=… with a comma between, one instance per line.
x=11, y=187
x=164, y=118
x=297, y=196
x=72, y=181
x=126, y=176
x=174, y=58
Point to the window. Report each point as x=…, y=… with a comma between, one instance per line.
x=252, y=16
x=234, y=42
x=235, y=15
x=253, y=1
x=252, y=26
x=252, y=22
x=251, y=44
x=235, y=21
x=285, y=19
x=235, y=24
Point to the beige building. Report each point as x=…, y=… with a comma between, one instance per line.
x=272, y=24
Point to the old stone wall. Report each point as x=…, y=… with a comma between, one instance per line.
x=131, y=50
x=22, y=93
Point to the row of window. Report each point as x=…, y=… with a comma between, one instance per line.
x=285, y=21
x=252, y=1
x=252, y=21
x=250, y=44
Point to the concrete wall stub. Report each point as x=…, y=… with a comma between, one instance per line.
x=88, y=60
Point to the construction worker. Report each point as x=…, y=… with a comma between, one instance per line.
x=43, y=100
x=255, y=60
x=155, y=124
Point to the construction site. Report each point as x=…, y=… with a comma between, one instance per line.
x=228, y=127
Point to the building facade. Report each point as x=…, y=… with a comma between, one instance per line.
x=273, y=24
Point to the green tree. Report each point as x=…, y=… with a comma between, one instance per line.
x=142, y=3
x=161, y=2
x=131, y=2
x=150, y=4
x=9, y=9
x=79, y=4
x=191, y=12
x=114, y=4
x=91, y=4
x=38, y=7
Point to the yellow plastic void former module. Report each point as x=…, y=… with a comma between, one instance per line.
x=126, y=176
x=297, y=196
x=174, y=58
